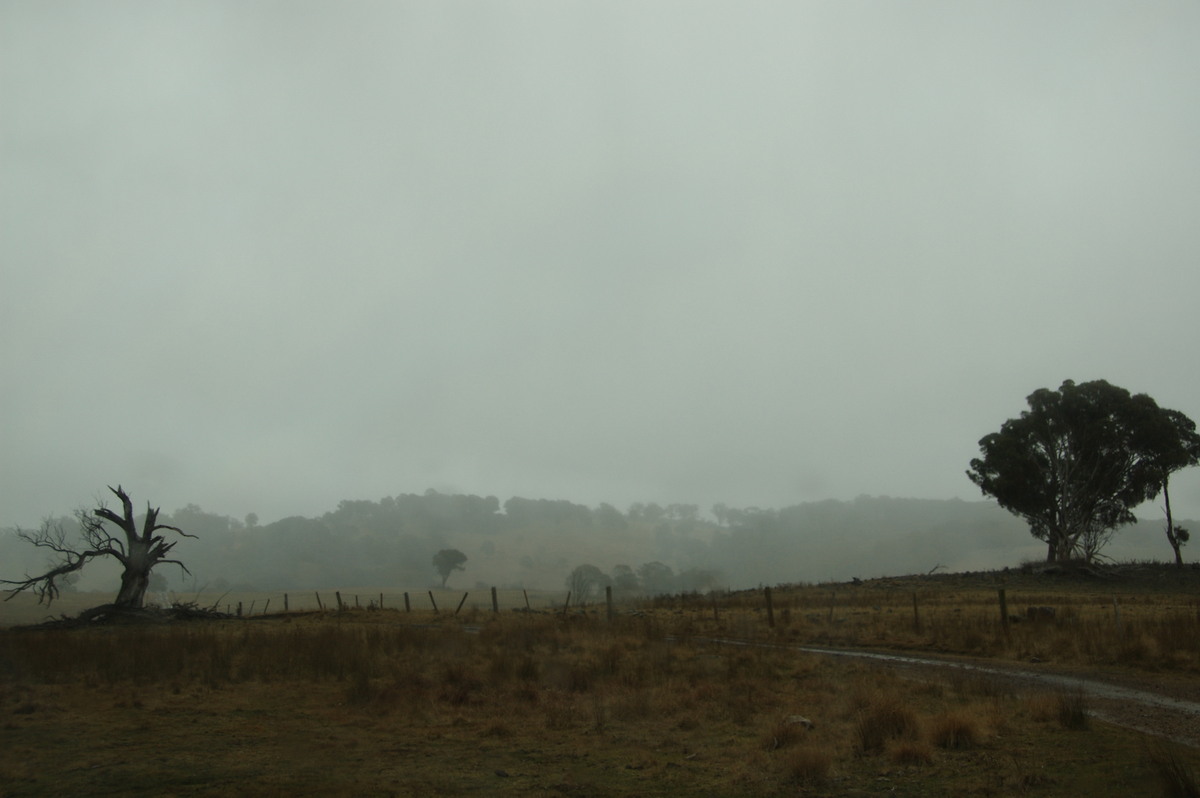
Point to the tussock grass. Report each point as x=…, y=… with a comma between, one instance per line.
x=956, y=730
x=1176, y=775
x=809, y=765
x=1073, y=710
x=884, y=718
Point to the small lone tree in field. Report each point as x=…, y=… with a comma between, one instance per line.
x=585, y=580
x=447, y=561
x=138, y=550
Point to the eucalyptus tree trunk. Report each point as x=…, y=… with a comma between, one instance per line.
x=141, y=550
x=135, y=579
x=1172, y=538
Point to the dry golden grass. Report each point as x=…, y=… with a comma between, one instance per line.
x=882, y=718
x=956, y=730
x=368, y=703
x=910, y=752
x=1144, y=618
x=1176, y=776
x=809, y=764
x=1073, y=710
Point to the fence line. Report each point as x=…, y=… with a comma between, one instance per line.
x=931, y=613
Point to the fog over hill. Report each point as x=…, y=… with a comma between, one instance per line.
x=535, y=543
x=262, y=256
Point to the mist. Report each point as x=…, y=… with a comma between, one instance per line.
x=643, y=550
x=271, y=257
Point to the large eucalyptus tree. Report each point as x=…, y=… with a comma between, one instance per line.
x=1076, y=463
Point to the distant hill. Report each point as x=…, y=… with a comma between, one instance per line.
x=535, y=543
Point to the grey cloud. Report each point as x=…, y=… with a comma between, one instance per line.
x=267, y=257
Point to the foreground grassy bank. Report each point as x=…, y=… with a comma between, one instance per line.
x=389, y=703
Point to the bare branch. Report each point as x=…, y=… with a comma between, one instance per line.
x=52, y=536
x=96, y=535
x=175, y=562
x=151, y=526
x=126, y=524
x=160, y=548
x=126, y=502
x=137, y=553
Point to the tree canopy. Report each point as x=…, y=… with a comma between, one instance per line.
x=1174, y=445
x=583, y=581
x=1076, y=463
x=447, y=561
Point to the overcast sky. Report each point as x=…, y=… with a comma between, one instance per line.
x=267, y=256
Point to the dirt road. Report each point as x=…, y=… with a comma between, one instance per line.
x=1164, y=706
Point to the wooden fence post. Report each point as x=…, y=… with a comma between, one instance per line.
x=338, y=595
x=433, y=601
x=320, y=606
x=239, y=614
x=566, y=603
x=770, y=608
x=266, y=606
x=285, y=602
x=608, y=601
x=464, y=601
x=495, y=603
x=526, y=592
x=407, y=606
x=381, y=601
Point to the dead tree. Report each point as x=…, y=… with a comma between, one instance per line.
x=138, y=551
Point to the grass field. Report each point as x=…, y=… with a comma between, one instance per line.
x=23, y=609
x=384, y=702
x=1142, y=617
